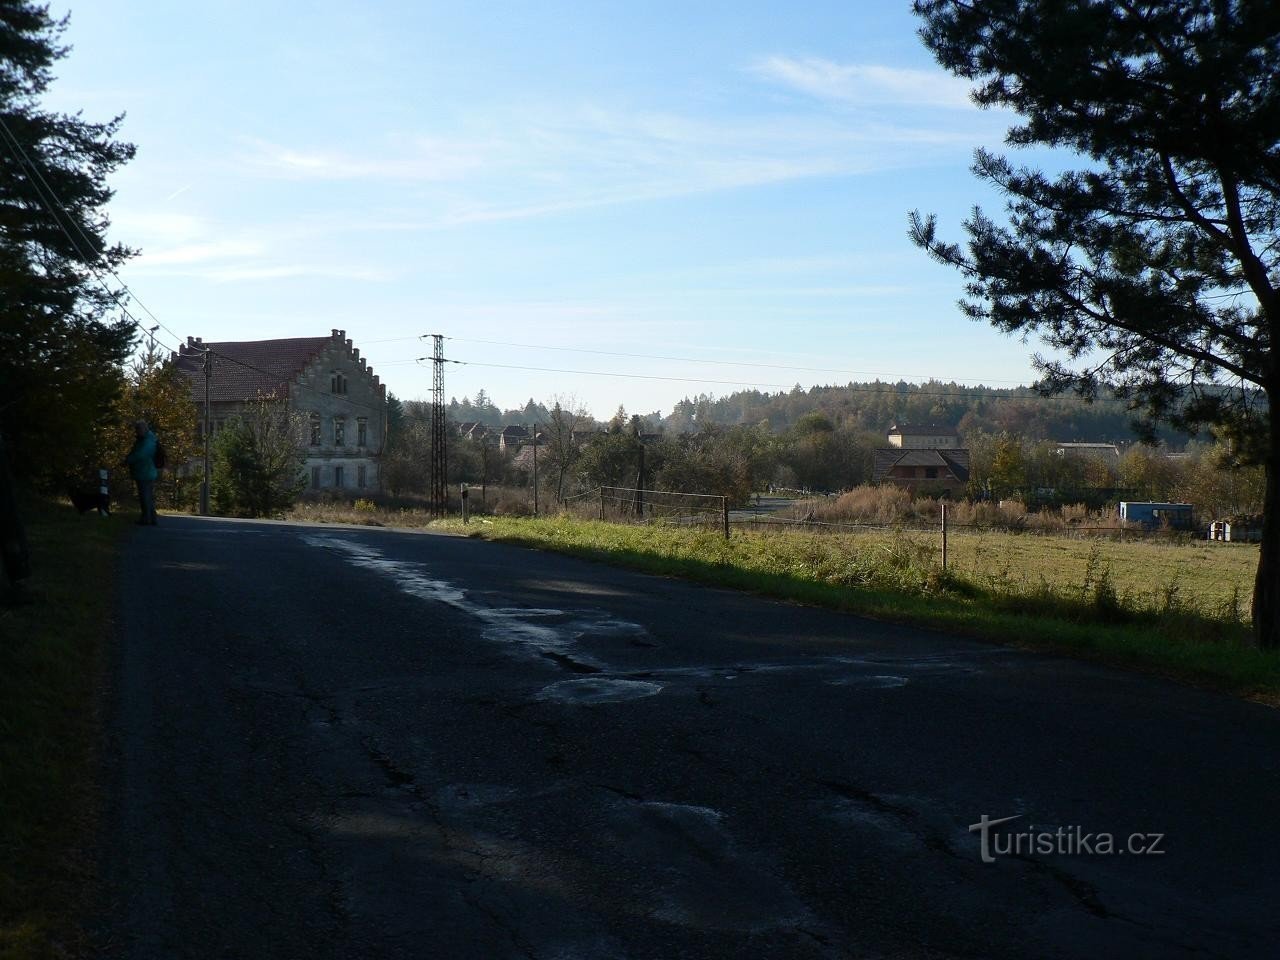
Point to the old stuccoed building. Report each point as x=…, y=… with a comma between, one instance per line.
x=341, y=403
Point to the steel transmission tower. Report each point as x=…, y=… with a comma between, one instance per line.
x=439, y=501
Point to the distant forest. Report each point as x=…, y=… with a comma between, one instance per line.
x=870, y=407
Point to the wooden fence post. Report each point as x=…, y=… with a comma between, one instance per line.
x=944, y=536
x=724, y=509
x=602, y=503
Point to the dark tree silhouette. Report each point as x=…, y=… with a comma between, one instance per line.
x=1153, y=267
x=60, y=357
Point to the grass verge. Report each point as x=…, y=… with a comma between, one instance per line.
x=895, y=577
x=50, y=660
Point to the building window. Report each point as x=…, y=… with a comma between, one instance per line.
x=931, y=473
x=337, y=382
x=362, y=432
x=337, y=478
x=315, y=478
x=314, y=420
x=339, y=431
x=361, y=476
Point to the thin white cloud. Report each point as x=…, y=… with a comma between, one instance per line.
x=421, y=159
x=235, y=274
x=146, y=227
x=540, y=162
x=866, y=84
x=251, y=272
x=201, y=252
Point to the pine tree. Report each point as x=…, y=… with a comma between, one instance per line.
x=257, y=461
x=1155, y=266
x=60, y=356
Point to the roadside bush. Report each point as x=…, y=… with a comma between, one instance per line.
x=507, y=504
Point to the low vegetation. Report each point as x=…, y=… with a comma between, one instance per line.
x=50, y=659
x=893, y=506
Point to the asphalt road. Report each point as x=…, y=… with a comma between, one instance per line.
x=345, y=742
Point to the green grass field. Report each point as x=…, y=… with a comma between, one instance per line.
x=1211, y=577
x=50, y=664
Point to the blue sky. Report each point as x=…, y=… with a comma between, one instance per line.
x=726, y=181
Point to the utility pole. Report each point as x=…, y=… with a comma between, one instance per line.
x=204, y=482
x=439, y=492
x=535, y=469
x=640, y=487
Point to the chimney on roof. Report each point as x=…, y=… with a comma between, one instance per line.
x=336, y=334
x=348, y=345
x=355, y=354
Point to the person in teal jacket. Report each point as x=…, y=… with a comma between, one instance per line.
x=141, y=462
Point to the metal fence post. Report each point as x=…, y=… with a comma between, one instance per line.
x=724, y=509
x=602, y=503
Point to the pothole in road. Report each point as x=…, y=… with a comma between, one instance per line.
x=566, y=661
x=598, y=690
x=703, y=878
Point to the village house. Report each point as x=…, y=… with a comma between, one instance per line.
x=928, y=458
x=1079, y=450
x=513, y=436
x=476, y=431
x=339, y=399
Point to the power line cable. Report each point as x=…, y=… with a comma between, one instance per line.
x=90, y=257
x=889, y=389
x=724, y=363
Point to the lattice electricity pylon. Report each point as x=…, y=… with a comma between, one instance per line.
x=439, y=501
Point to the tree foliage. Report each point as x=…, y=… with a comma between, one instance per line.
x=257, y=461
x=1153, y=267
x=159, y=393
x=60, y=354
x=568, y=418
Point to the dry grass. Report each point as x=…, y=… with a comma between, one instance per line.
x=888, y=505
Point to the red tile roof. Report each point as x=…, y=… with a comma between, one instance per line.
x=242, y=371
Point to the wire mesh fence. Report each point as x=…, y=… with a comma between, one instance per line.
x=669, y=507
x=676, y=508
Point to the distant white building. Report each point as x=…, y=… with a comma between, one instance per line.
x=1102, y=451
x=928, y=436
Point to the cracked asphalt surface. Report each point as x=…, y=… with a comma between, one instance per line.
x=350, y=742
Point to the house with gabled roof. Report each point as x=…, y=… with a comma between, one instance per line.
x=476, y=431
x=1083, y=450
x=341, y=403
x=512, y=436
x=927, y=457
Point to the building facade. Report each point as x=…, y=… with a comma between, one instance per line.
x=339, y=402
x=929, y=436
x=928, y=458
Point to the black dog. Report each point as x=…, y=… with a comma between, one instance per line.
x=85, y=500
